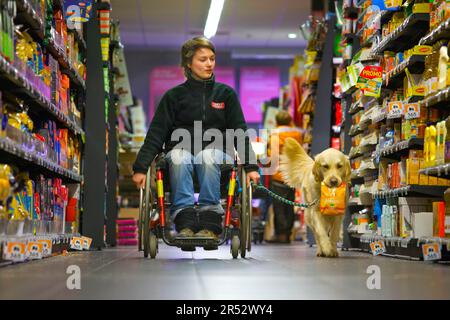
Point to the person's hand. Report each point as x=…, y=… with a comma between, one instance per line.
x=253, y=176
x=139, y=180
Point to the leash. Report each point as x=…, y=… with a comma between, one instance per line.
x=281, y=199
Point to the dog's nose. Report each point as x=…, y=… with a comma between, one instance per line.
x=334, y=182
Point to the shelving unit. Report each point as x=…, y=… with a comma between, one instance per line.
x=414, y=30
x=39, y=160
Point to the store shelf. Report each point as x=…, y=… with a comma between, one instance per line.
x=395, y=77
x=441, y=32
x=412, y=191
x=20, y=85
x=400, y=149
x=398, y=247
x=407, y=34
x=441, y=171
x=437, y=100
x=28, y=16
x=26, y=157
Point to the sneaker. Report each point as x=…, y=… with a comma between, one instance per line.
x=206, y=234
x=186, y=233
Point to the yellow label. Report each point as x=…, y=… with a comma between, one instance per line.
x=160, y=188
x=34, y=250
x=231, y=188
x=46, y=247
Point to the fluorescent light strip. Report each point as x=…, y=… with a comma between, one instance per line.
x=212, y=22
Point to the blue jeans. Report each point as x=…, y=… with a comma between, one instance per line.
x=207, y=167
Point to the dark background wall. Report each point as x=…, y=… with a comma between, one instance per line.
x=141, y=62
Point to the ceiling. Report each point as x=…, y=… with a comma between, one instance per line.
x=246, y=26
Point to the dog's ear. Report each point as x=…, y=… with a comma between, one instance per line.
x=316, y=170
x=348, y=169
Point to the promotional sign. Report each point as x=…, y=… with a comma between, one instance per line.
x=378, y=247
x=395, y=110
x=431, y=251
x=122, y=83
x=76, y=243
x=370, y=80
x=34, y=250
x=15, y=251
x=412, y=111
x=258, y=84
x=77, y=12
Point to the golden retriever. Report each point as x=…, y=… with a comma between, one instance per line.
x=300, y=171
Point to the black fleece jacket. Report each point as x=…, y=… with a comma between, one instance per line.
x=214, y=104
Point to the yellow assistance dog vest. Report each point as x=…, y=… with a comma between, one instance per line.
x=332, y=200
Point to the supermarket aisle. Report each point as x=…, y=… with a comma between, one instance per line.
x=272, y=272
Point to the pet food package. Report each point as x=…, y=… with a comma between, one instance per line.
x=332, y=200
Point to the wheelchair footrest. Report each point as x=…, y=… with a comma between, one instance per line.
x=186, y=243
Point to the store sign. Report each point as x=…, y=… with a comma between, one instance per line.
x=258, y=84
x=431, y=251
x=412, y=111
x=395, y=110
x=77, y=12
x=378, y=248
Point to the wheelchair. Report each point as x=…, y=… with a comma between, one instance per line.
x=154, y=222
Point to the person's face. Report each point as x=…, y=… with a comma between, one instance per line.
x=203, y=63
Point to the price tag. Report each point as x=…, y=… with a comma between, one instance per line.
x=15, y=251
x=46, y=247
x=412, y=111
x=378, y=247
x=395, y=110
x=86, y=243
x=431, y=251
x=76, y=243
x=34, y=250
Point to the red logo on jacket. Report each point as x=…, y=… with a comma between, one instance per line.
x=218, y=105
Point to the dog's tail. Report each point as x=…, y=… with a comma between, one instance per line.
x=295, y=164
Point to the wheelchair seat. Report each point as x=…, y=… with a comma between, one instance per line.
x=225, y=171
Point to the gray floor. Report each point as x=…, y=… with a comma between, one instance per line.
x=271, y=272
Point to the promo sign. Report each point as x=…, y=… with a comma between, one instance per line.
x=431, y=251
x=378, y=247
x=77, y=12
x=412, y=111
x=15, y=251
x=395, y=110
x=370, y=80
x=34, y=250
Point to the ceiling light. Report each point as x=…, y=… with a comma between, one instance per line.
x=292, y=35
x=212, y=22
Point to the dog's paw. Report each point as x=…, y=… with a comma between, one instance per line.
x=333, y=254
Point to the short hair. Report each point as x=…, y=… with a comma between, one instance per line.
x=283, y=118
x=190, y=47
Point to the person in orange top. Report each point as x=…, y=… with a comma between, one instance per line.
x=284, y=214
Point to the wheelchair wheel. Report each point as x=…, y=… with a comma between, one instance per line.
x=141, y=216
x=153, y=245
x=235, y=244
x=245, y=226
x=148, y=204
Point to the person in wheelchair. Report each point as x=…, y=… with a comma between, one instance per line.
x=199, y=103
